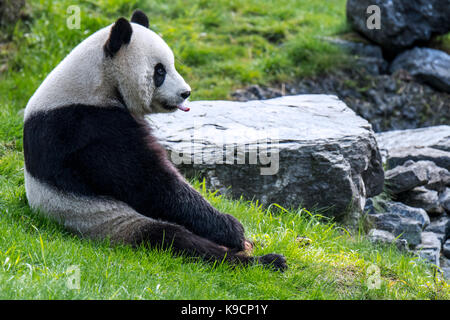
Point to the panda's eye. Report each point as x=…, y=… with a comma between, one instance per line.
x=161, y=71
x=159, y=74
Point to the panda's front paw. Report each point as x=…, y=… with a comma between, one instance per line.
x=275, y=261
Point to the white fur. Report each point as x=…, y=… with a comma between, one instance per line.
x=95, y=218
x=87, y=76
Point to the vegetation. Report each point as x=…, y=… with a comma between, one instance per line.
x=220, y=45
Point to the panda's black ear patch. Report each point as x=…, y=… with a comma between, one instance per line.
x=120, y=35
x=140, y=17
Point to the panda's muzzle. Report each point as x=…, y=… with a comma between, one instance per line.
x=181, y=106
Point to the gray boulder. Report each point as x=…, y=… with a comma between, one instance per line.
x=413, y=174
x=430, y=247
x=424, y=198
x=306, y=150
x=399, y=219
x=446, y=249
x=444, y=200
x=404, y=228
x=435, y=137
x=406, y=177
x=400, y=156
x=438, y=178
x=402, y=210
x=445, y=267
x=443, y=144
x=426, y=65
x=396, y=144
x=383, y=236
x=403, y=22
x=440, y=226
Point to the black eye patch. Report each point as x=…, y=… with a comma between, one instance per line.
x=159, y=75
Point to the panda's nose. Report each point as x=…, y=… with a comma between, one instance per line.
x=185, y=94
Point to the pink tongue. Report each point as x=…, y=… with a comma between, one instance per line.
x=183, y=108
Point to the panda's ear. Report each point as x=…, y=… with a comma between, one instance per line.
x=140, y=18
x=120, y=35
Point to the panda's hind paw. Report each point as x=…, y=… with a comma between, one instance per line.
x=275, y=261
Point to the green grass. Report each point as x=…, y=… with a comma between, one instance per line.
x=220, y=45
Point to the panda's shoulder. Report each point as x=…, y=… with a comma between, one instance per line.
x=74, y=126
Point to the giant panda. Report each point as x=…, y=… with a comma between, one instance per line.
x=92, y=164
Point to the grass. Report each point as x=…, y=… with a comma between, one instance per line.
x=35, y=254
x=220, y=45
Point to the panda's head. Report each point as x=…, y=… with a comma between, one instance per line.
x=141, y=67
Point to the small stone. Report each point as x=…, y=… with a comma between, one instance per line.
x=399, y=156
x=397, y=143
x=430, y=240
x=429, y=255
x=444, y=200
x=405, y=211
x=440, y=226
x=438, y=178
x=427, y=65
x=404, y=228
x=429, y=248
x=383, y=236
x=406, y=177
x=421, y=197
x=446, y=249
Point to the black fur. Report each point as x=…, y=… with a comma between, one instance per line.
x=140, y=17
x=105, y=151
x=120, y=35
x=159, y=75
x=95, y=151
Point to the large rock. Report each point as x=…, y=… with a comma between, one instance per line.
x=440, y=226
x=429, y=143
x=444, y=200
x=429, y=248
x=445, y=266
x=384, y=237
x=404, y=228
x=438, y=178
x=406, y=177
x=400, y=156
x=398, y=209
x=306, y=150
x=430, y=66
x=403, y=22
x=413, y=174
x=446, y=249
x=424, y=198
x=399, y=219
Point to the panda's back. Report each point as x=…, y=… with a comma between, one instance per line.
x=77, y=79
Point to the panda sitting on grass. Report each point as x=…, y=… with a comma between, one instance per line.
x=92, y=164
